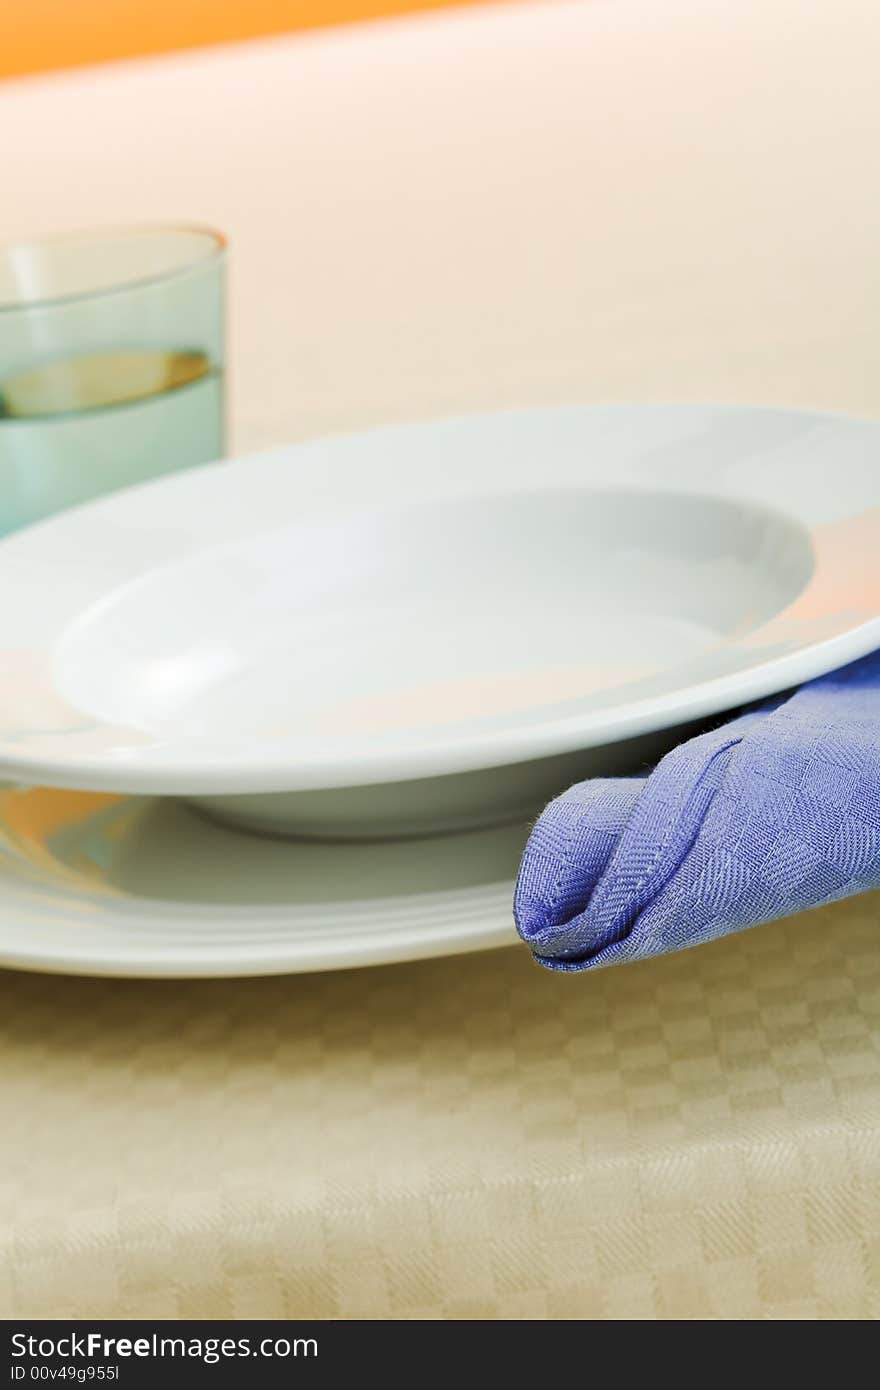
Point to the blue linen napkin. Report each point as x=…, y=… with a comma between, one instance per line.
x=774, y=812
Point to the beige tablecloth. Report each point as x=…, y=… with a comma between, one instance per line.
x=551, y=202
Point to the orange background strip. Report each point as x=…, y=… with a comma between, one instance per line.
x=40, y=34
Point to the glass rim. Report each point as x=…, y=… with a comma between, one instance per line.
x=216, y=250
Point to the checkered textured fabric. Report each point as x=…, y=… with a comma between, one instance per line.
x=775, y=812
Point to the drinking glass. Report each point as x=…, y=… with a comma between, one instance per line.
x=111, y=363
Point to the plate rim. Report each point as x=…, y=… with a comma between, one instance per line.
x=55, y=917
x=480, y=920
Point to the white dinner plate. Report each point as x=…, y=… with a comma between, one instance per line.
x=101, y=884
x=415, y=627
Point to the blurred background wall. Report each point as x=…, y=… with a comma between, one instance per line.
x=40, y=34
